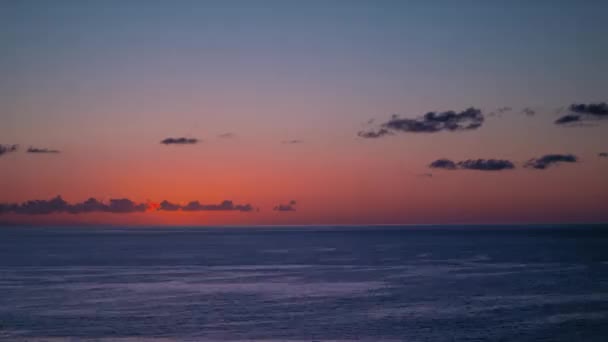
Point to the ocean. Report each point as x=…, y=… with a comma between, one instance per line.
x=375, y=283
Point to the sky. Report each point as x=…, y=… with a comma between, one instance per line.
x=316, y=112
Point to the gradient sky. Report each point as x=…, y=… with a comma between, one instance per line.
x=105, y=81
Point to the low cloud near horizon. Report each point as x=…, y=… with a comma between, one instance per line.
x=115, y=205
x=291, y=206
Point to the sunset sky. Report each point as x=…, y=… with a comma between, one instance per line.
x=287, y=106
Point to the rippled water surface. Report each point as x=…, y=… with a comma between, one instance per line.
x=304, y=284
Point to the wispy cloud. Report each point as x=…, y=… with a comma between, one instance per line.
x=4, y=149
x=227, y=135
x=550, y=160
x=294, y=141
x=41, y=150
x=431, y=122
x=473, y=164
x=291, y=206
x=603, y=154
x=528, y=111
x=179, y=141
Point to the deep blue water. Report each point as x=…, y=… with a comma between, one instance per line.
x=304, y=284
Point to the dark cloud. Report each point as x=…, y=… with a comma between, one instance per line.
x=425, y=175
x=504, y=110
x=374, y=134
x=443, y=164
x=549, y=160
x=179, y=141
x=227, y=135
x=119, y=206
x=224, y=206
x=597, y=109
x=291, y=206
x=294, y=141
x=528, y=111
x=8, y=149
x=473, y=164
x=567, y=119
x=584, y=112
x=41, y=150
x=486, y=164
x=168, y=206
x=603, y=154
x=430, y=122
x=39, y=207
x=89, y=206
x=124, y=205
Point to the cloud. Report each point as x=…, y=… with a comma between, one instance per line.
x=425, y=175
x=286, y=207
x=528, y=111
x=584, y=112
x=504, y=109
x=227, y=135
x=224, y=206
x=473, y=164
x=41, y=150
x=179, y=141
x=118, y=206
x=168, y=206
x=294, y=141
x=603, y=154
x=443, y=164
x=374, y=134
x=550, y=160
x=8, y=149
x=430, y=122
x=567, y=119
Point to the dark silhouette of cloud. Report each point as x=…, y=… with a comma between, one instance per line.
x=4, y=149
x=550, y=160
x=41, y=150
x=443, y=164
x=597, y=109
x=580, y=112
x=374, y=134
x=179, y=141
x=603, y=154
x=425, y=175
x=528, y=111
x=568, y=119
x=294, y=141
x=291, y=206
x=473, y=164
x=227, y=135
x=124, y=205
x=224, y=206
x=168, y=206
x=430, y=122
x=118, y=206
